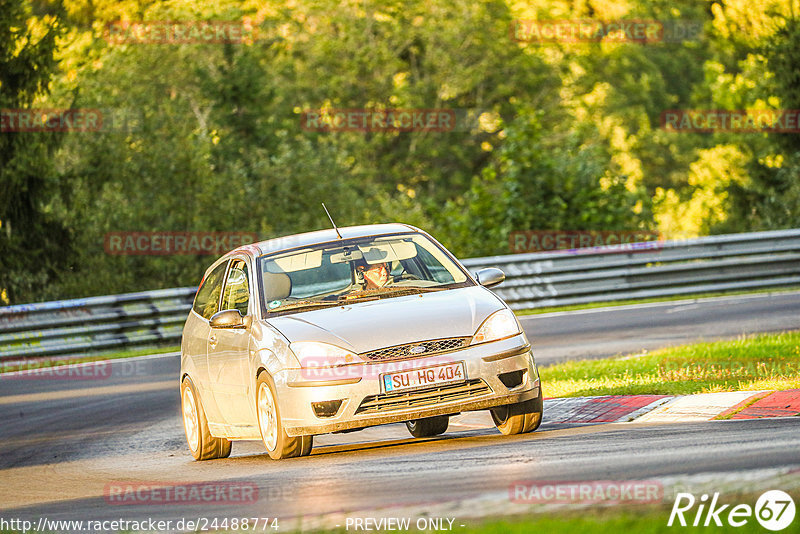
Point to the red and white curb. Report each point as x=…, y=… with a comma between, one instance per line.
x=672, y=409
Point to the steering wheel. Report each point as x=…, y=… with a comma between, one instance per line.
x=405, y=275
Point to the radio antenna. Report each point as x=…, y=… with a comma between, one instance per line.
x=331, y=219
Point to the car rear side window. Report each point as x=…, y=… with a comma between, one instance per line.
x=237, y=289
x=206, y=302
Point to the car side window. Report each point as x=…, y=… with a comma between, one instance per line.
x=237, y=289
x=207, y=299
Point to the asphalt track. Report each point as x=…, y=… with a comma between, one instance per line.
x=67, y=441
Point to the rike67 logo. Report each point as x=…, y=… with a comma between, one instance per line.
x=774, y=510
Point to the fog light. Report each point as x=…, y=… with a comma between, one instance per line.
x=326, y=408
x=512, y=379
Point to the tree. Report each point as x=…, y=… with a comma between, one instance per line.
x=34, y=245
x=543, y=178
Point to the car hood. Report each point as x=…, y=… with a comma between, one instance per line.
x=371, y=325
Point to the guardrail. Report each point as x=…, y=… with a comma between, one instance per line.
x=70, y=327
x=650, y=269
x=642, y=270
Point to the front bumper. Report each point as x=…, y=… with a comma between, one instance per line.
x=363, y=403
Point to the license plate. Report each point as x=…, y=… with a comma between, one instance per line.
x=425, y=377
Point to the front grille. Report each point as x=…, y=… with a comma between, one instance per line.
x=434, y=346
x=388, y=402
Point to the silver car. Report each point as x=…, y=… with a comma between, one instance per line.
x=338, y=330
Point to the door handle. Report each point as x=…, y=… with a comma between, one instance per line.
x=212, y=341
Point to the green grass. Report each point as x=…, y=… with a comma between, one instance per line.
x=764, y=361
x=54, y=361
x=612, y=303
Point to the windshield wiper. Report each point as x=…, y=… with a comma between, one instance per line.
x=385, y=292
x=304, y=304
x=352, y=297
x=422, y=288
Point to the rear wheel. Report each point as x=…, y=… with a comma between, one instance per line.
x=203, y=445
x=279, y=445
x=519, y=418
x=429, y=426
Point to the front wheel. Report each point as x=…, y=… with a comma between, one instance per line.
x=279, y=445
x=429, y=426
x=519, y=418
x=203, y=445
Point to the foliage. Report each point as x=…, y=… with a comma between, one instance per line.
x=209, y=136
x=34, y=245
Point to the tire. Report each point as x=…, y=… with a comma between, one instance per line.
x=519, y=418
x=279, y=445
x=429, y=426
x=203, y=445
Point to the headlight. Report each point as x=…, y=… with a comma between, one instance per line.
x=315, y=354
x=499, y=325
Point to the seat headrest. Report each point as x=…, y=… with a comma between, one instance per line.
x=277, y=286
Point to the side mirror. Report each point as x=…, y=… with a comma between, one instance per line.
x=228, y=319
x=490, y=277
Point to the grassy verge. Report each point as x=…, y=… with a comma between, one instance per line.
x=55, y=361
x=612, y=303
x=764, y=361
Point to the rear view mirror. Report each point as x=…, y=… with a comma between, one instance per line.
x=228, y=319
x=386, y=251
x=348, y=254
x=490, y=277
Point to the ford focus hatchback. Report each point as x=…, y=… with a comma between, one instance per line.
x=339, y=330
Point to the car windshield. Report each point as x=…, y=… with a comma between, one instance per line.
x=355, y=270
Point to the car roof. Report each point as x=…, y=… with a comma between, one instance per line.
x=324, y=236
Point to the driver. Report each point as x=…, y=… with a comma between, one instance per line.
x=375, y=276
